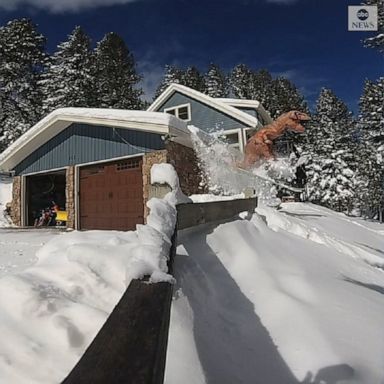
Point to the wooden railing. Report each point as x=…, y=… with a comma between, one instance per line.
x=131, y=346
x=189, y=215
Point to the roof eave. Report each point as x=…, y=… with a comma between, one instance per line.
x=55, y=123
x=215, y=103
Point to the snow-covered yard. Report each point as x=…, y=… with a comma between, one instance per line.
x=284, y=296
x=287, y=296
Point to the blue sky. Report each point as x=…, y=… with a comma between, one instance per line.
x=305, y=40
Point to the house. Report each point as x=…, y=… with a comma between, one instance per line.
x=94, y=164
x=236, y=119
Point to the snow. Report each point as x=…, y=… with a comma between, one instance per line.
x=288, y=296
x=5, y=197
x=165, y=174
x=206, y=197
x=281, y=296
x=58, y=288
x=71, y=114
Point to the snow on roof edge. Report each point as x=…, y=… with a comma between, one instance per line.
x=106, y=115
x=242, y=102
x=214, y=102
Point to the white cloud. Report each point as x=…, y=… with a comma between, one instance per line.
x=152, y=76
x=59, y=6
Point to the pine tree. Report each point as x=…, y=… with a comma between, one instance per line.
x=216, y=82
x=376, y=41
x=331, y=170
x=172, y=74
x=22, y=58
x=371, y=164
x=193, y=79
x=287, y=98
x=248, y=84
x=261, y=89
x=115, y=75
x=371, y=118
x=240, y=79
x=68, y=81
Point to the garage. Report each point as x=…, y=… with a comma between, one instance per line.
x=93, y=166
x=111, y=195
x=45, y=199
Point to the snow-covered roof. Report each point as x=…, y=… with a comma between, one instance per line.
x=216, y=103
x=244, y=103
x=60, y=119
x=240, y=102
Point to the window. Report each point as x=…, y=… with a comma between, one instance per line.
x=183, y=112
x=233, y=138
x=128, y=164
x=248, y=133
x=171, y=111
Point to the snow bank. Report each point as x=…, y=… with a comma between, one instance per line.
x=277, y=299
x=204, y=198
x=165, y=174
x=5, y=197
x=51, y=311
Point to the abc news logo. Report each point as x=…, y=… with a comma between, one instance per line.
x=362, y=18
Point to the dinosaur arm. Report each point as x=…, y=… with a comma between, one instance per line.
x=272, y=134
x=266, y=136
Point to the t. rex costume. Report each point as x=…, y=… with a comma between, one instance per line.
x=260, y=146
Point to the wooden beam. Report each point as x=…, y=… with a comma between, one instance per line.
x=131, y=346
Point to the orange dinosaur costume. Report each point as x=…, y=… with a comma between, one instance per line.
x=260, y=146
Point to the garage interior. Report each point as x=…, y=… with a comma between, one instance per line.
x=45, y=194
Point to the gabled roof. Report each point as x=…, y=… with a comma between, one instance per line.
x=217, y=104
x=244, y=103
x=240, y=102
x=62, y=118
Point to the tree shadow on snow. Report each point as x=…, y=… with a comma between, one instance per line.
x=330, y=375
x=232, y=343
x=372, y=248
x=373, y=287
x=302, y=215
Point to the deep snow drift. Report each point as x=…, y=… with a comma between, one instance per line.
x=290, y=296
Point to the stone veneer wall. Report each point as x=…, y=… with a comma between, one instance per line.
x=148, y=160
x=185, y=162
x=182, y=158
x=16, y=201
x=70, y=197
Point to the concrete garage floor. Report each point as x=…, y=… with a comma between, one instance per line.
x=18, y=247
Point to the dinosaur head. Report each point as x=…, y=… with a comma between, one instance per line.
x=293, y=120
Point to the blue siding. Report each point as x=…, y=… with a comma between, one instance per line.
x=83, y=143
x=253, y=112
x=203, y=116
x=250, y=111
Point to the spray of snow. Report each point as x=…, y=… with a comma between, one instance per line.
x=220, y=164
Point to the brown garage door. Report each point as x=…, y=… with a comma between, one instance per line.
x=111, y=195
